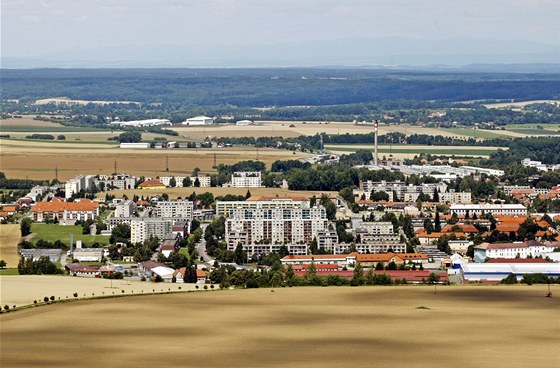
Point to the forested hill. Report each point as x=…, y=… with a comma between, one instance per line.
x=273, y=87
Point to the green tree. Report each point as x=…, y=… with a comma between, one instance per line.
x=172, y=182
x=437, y=223
x=239, y=255
x=2, y=264
x=25, y=226
x=358, y=275
x=428, y=226
x=186, y=182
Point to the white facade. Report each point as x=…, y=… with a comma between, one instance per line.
x=135, y=145
x=274, y=226
x=141, y=123
x=125, y=209
x=174, y=209
x=498, y=271
x=494, y=209
x=142, y=229
x=246, y=179
x=203, y=180
x=455, y=197
x=78, y=183
x=118, y=181
x=199, y=120
x=224, y=207
x=511, y=250
x=527, y=162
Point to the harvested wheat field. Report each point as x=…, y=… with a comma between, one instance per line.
x=38, y=160
x=22, y=290
x=174, y=193
x=9, y=239
x=294, y=327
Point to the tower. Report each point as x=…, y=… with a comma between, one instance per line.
x=375, y=134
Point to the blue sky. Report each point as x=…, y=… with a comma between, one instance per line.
x=43, y=28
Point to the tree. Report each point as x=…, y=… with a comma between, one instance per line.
x=2, y=264
x=436, y=195
x=248, y=194
x=196, y=171
x=428, y=226
x=379, y=196
x=433, y=278
x=358, y=276
x=510, y=279
x=172, y=182
x=437, y=223
x=239, y=255
x=120, y=234
x=187, y=182
x=392, y=266
x=196, y=182
x=25, y=226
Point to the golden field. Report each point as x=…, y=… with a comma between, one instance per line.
x=22, y=290
x=468, y=326
x=38, y=160
x=217, y=191
x=9, y=238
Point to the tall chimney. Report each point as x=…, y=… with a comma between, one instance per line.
x=375, y=133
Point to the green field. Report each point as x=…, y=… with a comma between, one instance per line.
x=9, y=272
x=66, y=141
x=475, y=133
x=53, y=232
x=55, y=129
x=533, y=131
x=454, y=150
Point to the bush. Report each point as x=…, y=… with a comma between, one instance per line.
x=46, y=299
x=510, y=279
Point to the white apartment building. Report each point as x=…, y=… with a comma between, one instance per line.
x=125, y=209
x=382, y=227
x=144, y=228
x=343, y=248
x=482, y=208
x=78, y=183
x=204, y=181
x=527, y=162
x=400, y=189
x=224, y=207
x=531, y=248
x=274, y=226
x=174, y=209
x=118, y=181
x=326, y=240
x=455, y=197
x=246, y=179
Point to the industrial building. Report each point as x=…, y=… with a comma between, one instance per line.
x=199, y=120
x=142, y=123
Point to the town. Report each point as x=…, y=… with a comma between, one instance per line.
x=380, y=231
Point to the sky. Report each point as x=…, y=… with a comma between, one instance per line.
x=78, y=29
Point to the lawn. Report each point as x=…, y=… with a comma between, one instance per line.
x=475, y=133
x=9, y=272
x=53, y=232
x=533, y=131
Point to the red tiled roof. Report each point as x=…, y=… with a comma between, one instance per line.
x=56, y=206
x=200, y=273
x=263, y=198
x=517, y=260
x=152, y=183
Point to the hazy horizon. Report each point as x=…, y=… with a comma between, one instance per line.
x=265, y=33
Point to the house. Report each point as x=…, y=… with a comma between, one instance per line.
x=200, y=276
x=170, y=244
x=342, y=260
x=166, y=273
x=151, y=184
x=77, y=269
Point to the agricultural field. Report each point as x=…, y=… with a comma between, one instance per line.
x=217, y=191
x=9, y=239
x=407, y=326
x=22, y=290
x=39, y=160
x=502, y=105
x=479, y=133
x=409, y=151
x=54, y=232
x=534, y=129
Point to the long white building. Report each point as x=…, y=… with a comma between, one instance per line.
x=78, y=183
x=142, y=123
x=224, y=207
x=511, y=250
x=246, y=179
x=199, y=120
x=204, y=181
x=174, y=209
x=494, y=209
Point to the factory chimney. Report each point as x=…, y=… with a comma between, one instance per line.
x=375, y=134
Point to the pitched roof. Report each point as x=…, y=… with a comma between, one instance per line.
x=56, y=206
x=152, y=183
